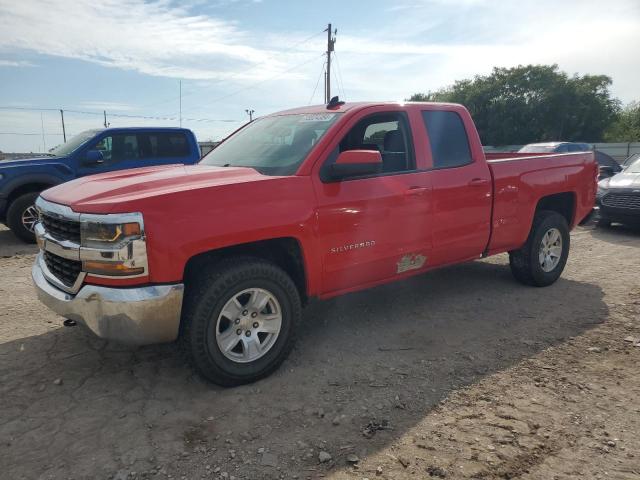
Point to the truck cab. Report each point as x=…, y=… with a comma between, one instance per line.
x=88, y=153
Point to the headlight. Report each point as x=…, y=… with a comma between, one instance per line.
x=603, y=187
x=113, y=245
x=95, y=234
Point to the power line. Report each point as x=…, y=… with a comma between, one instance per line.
x=122, y=115
x=31, y=134
x=261, y=81
x=317, y=83
x=253, y=67
x=344, y=94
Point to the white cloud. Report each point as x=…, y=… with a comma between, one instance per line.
x=150, y=37
x=15, y=63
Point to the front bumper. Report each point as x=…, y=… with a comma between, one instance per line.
x=137, y=316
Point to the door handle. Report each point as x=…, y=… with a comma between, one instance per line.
x=415, y=191
x=478, y=182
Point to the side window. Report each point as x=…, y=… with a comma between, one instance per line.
x=448, y=139
x=163, y=145
x=116, y=148
x=388, y=133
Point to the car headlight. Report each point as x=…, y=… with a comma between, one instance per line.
x=96, y=234
x=113, y=246
x=603, y=187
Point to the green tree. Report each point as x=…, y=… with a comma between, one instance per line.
x=627, y=127
x=533, y=103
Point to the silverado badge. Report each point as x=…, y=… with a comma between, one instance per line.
x=411, y=262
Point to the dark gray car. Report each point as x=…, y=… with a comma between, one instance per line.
x=618, y=197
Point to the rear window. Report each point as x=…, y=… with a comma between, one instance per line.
x=163, y=145
x=448, y=138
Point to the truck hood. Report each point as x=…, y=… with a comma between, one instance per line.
x=31, y=162
x=625, y=180
x=120, y=191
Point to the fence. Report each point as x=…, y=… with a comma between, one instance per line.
x=619, y=151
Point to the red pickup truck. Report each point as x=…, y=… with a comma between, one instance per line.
x=308, y=203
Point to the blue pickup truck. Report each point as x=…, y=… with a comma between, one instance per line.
x=88, y=153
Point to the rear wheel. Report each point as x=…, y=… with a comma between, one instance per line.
x=22, y=217
x=240, y=320
x=542, y=258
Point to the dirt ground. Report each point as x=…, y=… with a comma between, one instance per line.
x=459, y=373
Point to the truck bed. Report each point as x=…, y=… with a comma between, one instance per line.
x=520, y=179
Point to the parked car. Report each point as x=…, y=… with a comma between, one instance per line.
x=555, y=147
x=618, y=197
x=607, y=165
x=308, y=203
x=88, y=153
x=630, y=159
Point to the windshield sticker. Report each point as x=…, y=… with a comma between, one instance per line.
x=318, y=117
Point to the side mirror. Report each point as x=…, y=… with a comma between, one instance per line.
x=354, y=163
x=93, y=157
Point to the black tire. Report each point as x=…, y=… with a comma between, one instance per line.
x=205, y=298
x=603, y=223
x=14, y=216
x=524, y=263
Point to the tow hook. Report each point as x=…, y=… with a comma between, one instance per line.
x=69, y=323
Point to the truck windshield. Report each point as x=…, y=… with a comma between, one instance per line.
x=272, y=145
x=73, y=144
x=634, y=167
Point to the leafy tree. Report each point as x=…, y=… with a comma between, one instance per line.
x=533, y=103
x=627, y=127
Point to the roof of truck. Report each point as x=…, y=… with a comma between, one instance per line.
x=344, y=107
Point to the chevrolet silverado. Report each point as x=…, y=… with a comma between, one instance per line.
x=307, y=203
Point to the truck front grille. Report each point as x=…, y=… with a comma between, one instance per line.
x=65, y=270
x=622, y=200
x=61, y=229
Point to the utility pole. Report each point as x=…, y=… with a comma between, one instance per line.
x=331, y=40
x=250, y=113
x=180, y=103
x=64, y=133
x=106, y=125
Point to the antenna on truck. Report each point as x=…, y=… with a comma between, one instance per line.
x=335, y=102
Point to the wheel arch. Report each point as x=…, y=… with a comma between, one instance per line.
x=286, y=252
x=563, y=203
x=35, y=183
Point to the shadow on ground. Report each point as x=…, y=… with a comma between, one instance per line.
x=617, y=234
x=10, y=245
x=384, y=355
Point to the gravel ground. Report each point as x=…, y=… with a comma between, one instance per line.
x=459, y=373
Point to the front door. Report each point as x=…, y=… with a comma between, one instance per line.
x=376, y=227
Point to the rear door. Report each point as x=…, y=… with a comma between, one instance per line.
x=462, y=188
x=375, y=227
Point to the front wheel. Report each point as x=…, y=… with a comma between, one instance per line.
x=22, y=217
x=542, y=258
x=240, y=320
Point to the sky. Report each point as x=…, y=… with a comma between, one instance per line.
x=129, y=57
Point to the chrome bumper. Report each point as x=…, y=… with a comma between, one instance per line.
x=138, y=316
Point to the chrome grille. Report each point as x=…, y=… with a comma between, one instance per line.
x=65, y=270
x=60, y=228
x=622, y=200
